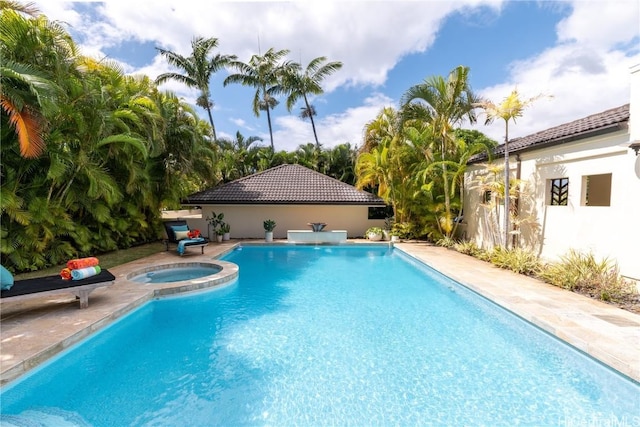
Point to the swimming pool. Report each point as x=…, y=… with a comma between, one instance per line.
x=325, y=336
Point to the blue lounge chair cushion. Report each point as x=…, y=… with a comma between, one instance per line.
x=6, y=279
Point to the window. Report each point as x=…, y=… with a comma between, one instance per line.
x=596, y=190
x=558, y=192
x=486, y=196
x=380, y=212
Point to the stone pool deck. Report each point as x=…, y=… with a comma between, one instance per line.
x=34, y=330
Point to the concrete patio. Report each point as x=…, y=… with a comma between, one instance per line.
x=32, y=331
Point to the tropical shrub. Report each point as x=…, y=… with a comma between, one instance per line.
x=446, y=242
x=583, y=273
x=373, y=230
x=403, y=230
x=518, y=260
x=468, y=247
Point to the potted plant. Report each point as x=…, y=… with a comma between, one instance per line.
x=268, y=225
x=219, y=233
x=388, y=226
x=401, y=231
x=225, y=229
x=216, y=221
x=374, y=233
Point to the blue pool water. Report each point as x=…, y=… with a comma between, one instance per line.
x=325, y=335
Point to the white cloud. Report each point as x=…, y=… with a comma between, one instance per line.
x=584, y=75
x=239, y=122
x=334, y=129
x=60, y=11
x=601, y=23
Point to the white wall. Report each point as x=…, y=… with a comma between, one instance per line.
x=246, y=220
x=634, y=126
x=607, y=231
x=183, y=213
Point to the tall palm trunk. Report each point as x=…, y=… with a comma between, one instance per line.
x=270, y=129
x=506, y=186
x=213, y=127
x=445, y=183
x=313, y=123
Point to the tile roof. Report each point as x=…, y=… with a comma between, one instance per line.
x=595, y=124
x=285, y=184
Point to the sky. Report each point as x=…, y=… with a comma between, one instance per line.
x=573, y=57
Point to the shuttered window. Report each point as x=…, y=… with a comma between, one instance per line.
x=558, y=192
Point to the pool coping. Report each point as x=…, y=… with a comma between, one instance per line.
x=34, y=331
x=227, y=274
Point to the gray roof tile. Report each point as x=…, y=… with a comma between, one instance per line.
x=595, y=124
x=285, y=184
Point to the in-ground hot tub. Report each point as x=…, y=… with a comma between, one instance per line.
x=177, y=274
x=185, y=276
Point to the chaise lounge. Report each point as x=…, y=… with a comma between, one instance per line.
x=51, y=285
x=180, y=241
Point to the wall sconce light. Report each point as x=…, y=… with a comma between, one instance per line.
x=635, y=146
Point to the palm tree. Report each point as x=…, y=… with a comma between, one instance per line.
x=467, y=144
x=240, y=157
x=381, y=162
x=510, y=108
x=264, y=73
x=375, y=169
x=386, y=124
x=341, y=163
x=300, y=84
x=34, y=52
x=22, y=90
x=443, y=103
x=26, y=8
x=240, y=143
x=198, y=69
x=268, y=158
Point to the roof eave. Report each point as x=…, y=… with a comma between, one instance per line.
x=581, y=135
x=248, y=203
x=614, y=127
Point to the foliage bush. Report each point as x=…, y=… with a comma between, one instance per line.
x=446, y=242
x=577, y=272
x=404, y=230
x=373, y=230
x=583, y=273
x=468, y=247
x=518, y=260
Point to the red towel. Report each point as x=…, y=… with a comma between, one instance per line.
x=76, y=264
x=66, y=273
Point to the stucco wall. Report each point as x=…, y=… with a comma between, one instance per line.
x=634, y=105
x=246, y=220
x=607, y=231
